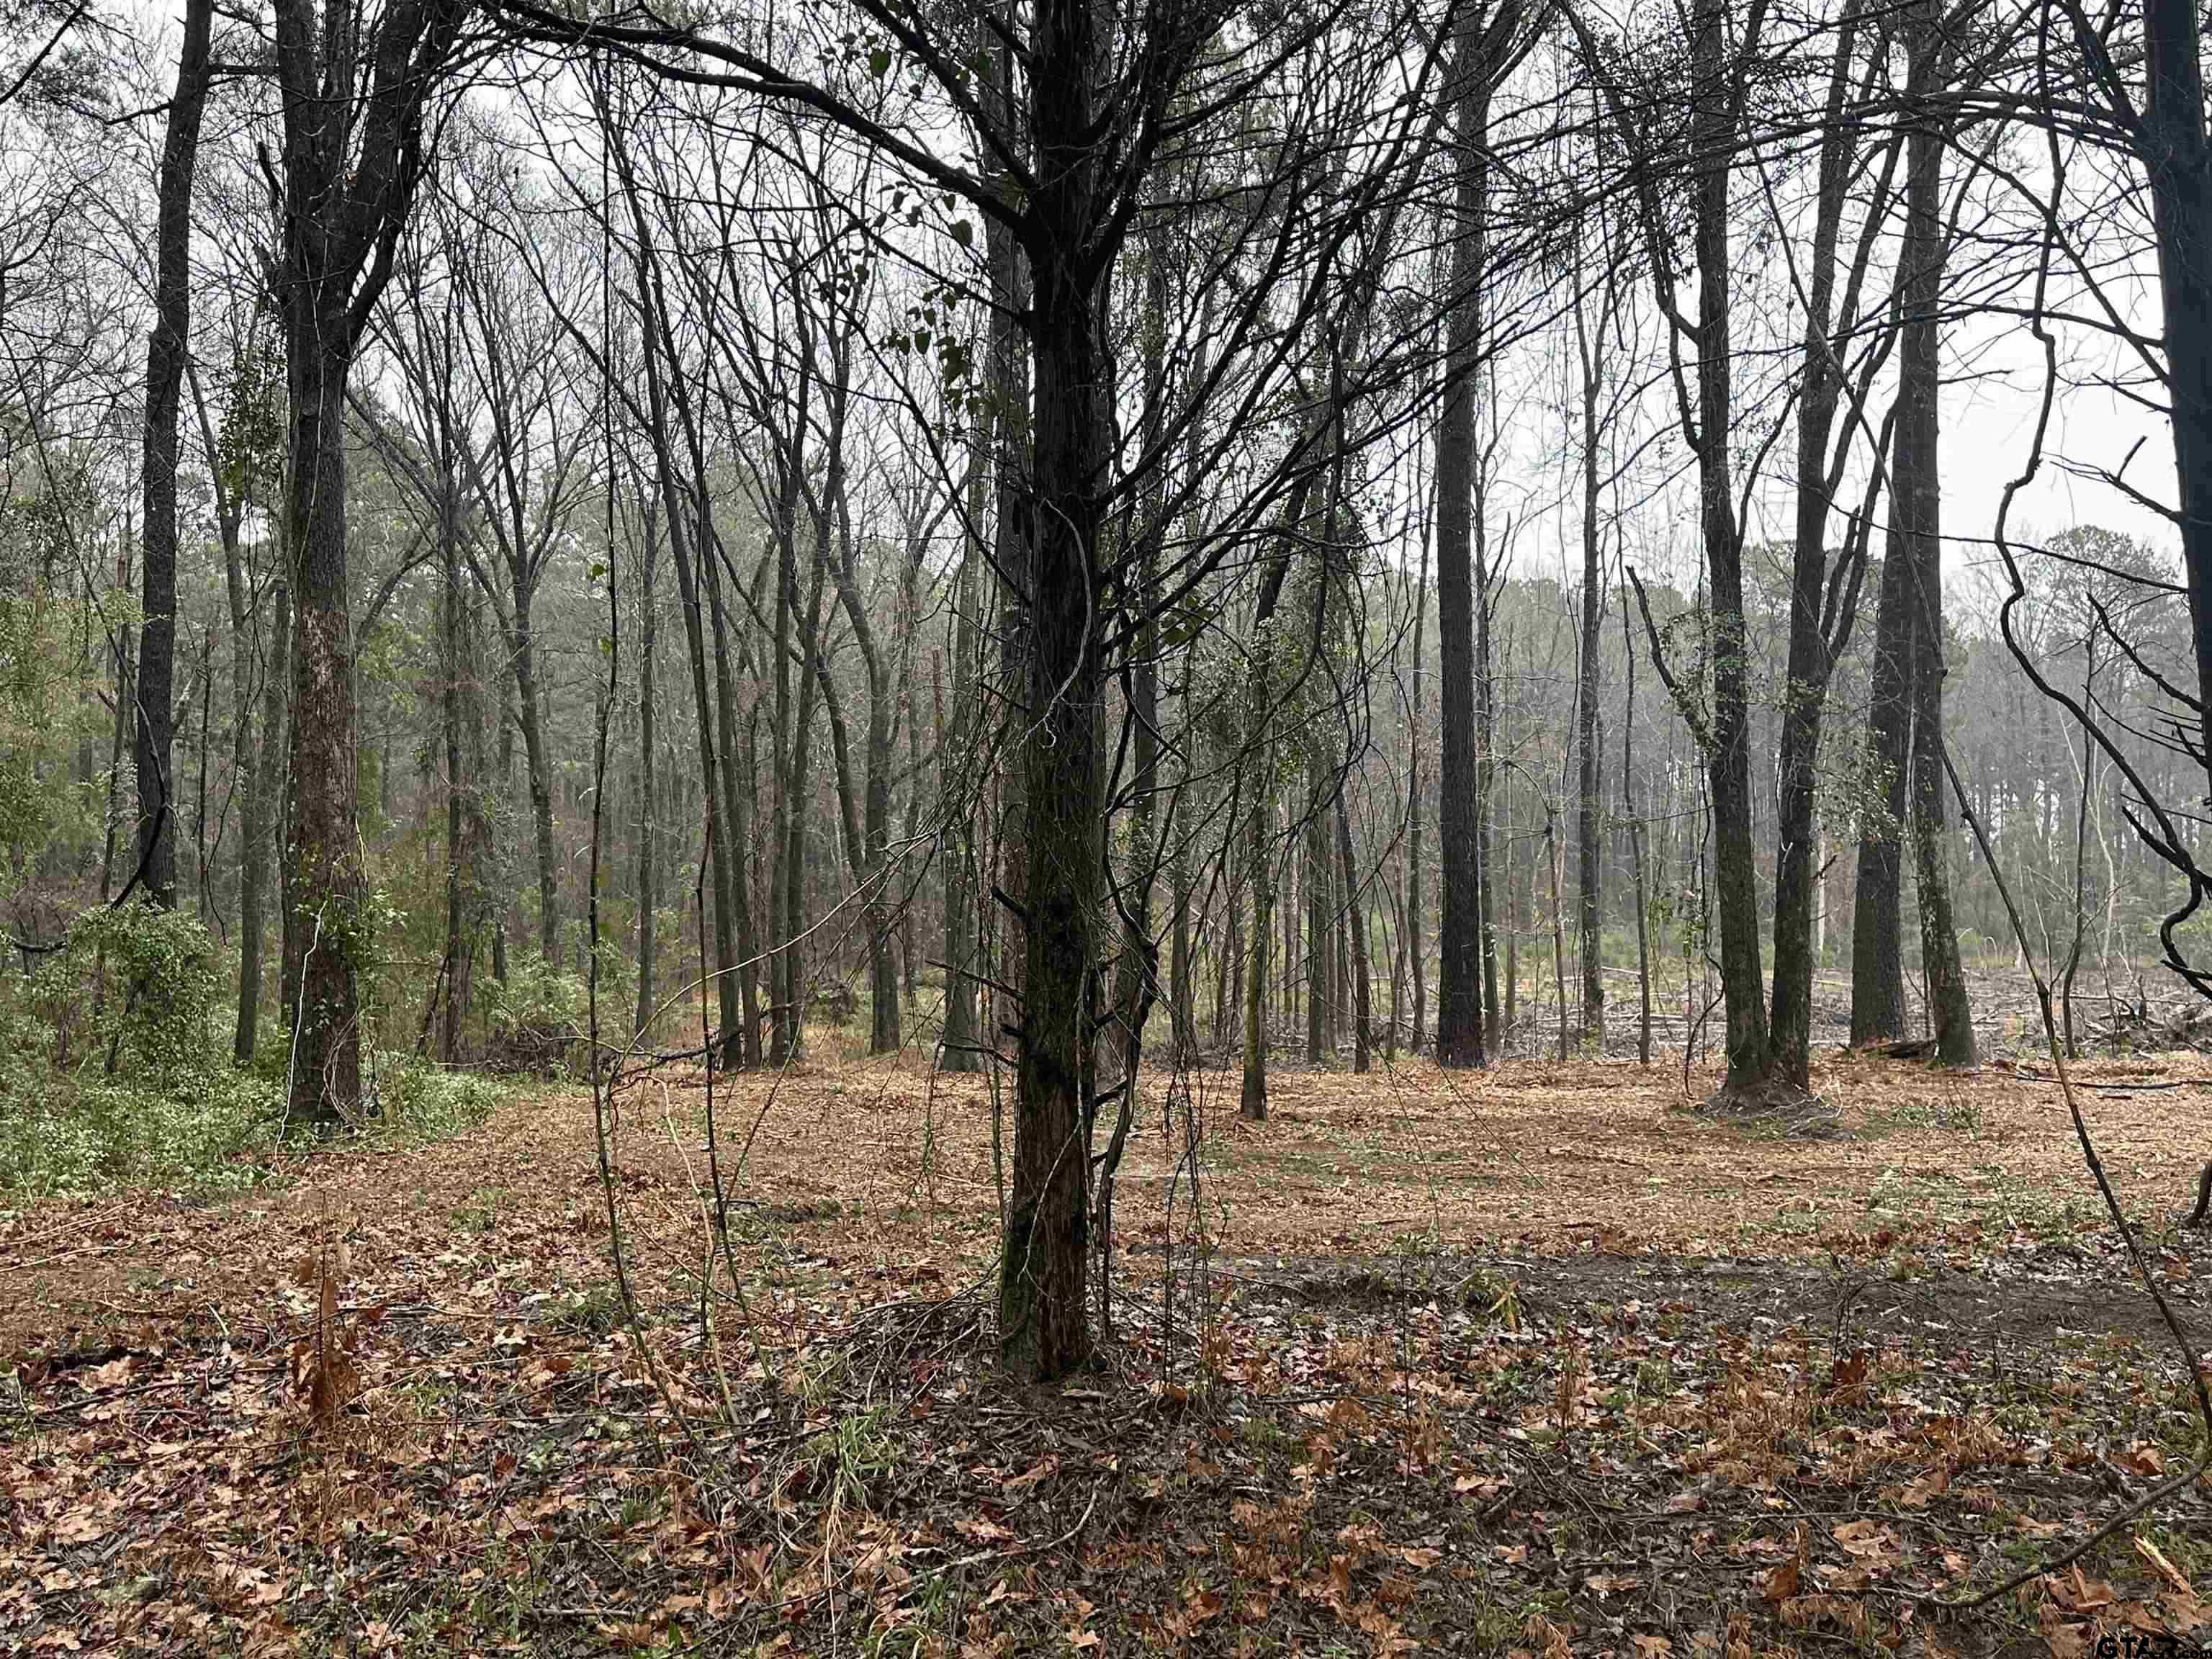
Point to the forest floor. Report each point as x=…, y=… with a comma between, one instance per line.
x=1532, y=1361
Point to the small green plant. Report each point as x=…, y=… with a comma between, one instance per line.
x=483, y=1211
x=854, y=1455
x=590, y=1314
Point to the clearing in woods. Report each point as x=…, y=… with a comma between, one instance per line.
x=1526, y=1360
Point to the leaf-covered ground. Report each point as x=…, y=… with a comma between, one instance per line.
x=1531, y=1361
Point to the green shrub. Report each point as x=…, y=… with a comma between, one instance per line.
x=534, y=1018
x=114, y=1070
x=423, y=1101
x=131, y=983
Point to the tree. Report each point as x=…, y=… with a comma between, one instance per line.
x=1824, y=594
x=355, y=90
x=1480, y=52
x=1916, y=538
x=165, y=372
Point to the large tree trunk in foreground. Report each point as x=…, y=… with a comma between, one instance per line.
x=1043, y=1315
x=2178, y=163
x=352, y=154
x=325, y=945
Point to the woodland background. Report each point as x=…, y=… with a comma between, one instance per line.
x=597, y=603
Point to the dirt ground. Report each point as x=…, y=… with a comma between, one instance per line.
x=1527, y=1360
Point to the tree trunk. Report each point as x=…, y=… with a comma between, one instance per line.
x=648, y=871
x=1252, y=1103
x=1877, y=927
x=1459, y=1003
x=722, y=857
x=528, y=712
x=1414, y=902
x=165, y=349
x=1355, y=921
x=1635, y=842
x=2080, y=852
x=1917, y=542
x=741, y=1042
x=269, y=813
x=1589, y=869
x=1811, y=644
x=2175, y=155
x=1044, y=1316
x=1728, y=757
x=1320, y=949
x=325, y=947
x=452, y=973
x=1495, y=1024
x=956, y=802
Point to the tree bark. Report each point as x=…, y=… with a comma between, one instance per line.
x=166, y=351
x=1414, y=902
x=1877, y=927
x=1589, y=867
x=1459, y=1002
x=2176, y=161
x=1815, y=634
x=1355, y=920
x=648, y=871
x=1728, y=750
x=1044, y=1316
x=1635, y=841
x=353, y=155
x=1917, y=542
x=961, y=1048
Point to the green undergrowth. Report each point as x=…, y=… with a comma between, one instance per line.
x=115, y=1071
x=211, y=1130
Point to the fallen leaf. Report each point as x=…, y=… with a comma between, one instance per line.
x=2164, y=1568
